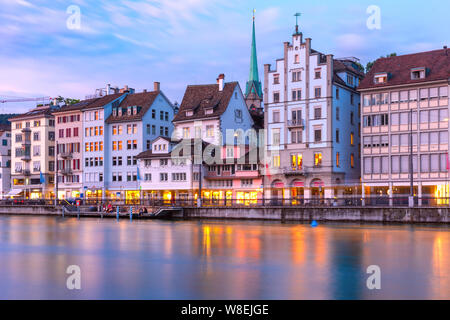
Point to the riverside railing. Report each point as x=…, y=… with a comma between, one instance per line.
x=344, y=201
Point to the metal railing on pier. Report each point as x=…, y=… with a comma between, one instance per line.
x=344, y=201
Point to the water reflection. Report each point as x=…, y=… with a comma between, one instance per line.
x=220, y=260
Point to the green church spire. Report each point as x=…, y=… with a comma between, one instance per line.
x=253, y=83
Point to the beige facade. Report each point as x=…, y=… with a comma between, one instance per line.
x=394, y=117
x=33, y=153
x=405, y=130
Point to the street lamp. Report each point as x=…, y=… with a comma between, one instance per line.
x=411, y=177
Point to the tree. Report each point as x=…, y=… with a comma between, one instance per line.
x=67, y=101
x=371, y=63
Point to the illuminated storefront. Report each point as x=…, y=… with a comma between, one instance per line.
x=132, y=196
x=441, y=194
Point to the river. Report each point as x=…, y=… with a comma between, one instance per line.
x=220, y=259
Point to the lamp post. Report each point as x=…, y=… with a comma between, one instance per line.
x=411, y=170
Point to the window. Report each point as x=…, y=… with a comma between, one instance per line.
x=337, y=135
x=317, y=135
x=296, y=95
x=296, y=136
x=352, y=99
x=297, y=161
x=352, y=138
x=367, y=165
x=276, y=136
x=317, y=74
x=186, y=133
x=210, y=131
x=381, y=78
x=425, y=163
x=296, y=58
x=317, y=159
x=317, y=92
x=395, y=119
x=352, y=121
x=296, y=117
x=296, y=76
x=337, y=93
x=337, y=159
x=276, y=161
x=276, y=79
x=163, y=177
x=352, y=160
x=153, y=114
x=276, y=116
x=423, y=94
x=350, y=80
x=417, y=73
x=276, y=97
x=317, y=113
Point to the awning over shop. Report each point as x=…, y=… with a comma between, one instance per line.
x=14, y=192
x=279, y=185
x=298, y=184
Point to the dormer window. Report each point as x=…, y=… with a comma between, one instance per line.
x=381, y=78
x=418, y=73
x=209, y=111
x=114, y=112
x=129, y=111
x=119, y=112
x=189, y=113
x=135, y=110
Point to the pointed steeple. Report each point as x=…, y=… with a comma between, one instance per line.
x=253, y=83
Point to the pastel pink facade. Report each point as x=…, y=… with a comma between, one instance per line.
x=69, y=142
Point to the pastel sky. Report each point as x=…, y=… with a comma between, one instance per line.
x=181, y=42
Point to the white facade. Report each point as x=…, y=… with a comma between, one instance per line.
x=5, y=162
x=164, y=177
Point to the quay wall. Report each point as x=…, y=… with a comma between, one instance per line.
x=350, y=214
x=361, y=214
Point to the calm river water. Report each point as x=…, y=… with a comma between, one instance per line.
x=220, y=260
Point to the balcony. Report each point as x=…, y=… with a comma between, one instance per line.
x=66, y=171
x=26, y=130
x=66, y=155
x=26, y=157
x=26, y=172
x=295, y=171
x=296, y=123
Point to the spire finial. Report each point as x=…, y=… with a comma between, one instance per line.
x=254, y=11
x=296, y=15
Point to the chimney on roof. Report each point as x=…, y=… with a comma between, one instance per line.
x=145, y=90
x=220, y=80
x=156, y=86
x=108, y=88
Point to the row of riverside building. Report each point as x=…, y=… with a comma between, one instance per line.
x=318, y=127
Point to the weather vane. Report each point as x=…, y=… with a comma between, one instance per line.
x=296, y=15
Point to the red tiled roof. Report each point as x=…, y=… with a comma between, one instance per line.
x=399, y=68
x=36, y=112
x=143, y=100
x=200, y=97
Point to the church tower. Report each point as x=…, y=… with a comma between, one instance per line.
x=253, y=91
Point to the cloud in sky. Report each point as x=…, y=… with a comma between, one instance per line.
x=136, y=42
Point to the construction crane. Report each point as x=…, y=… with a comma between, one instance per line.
x=43, y=99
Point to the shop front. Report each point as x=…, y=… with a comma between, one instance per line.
x=277, y=192
x=297, y=192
